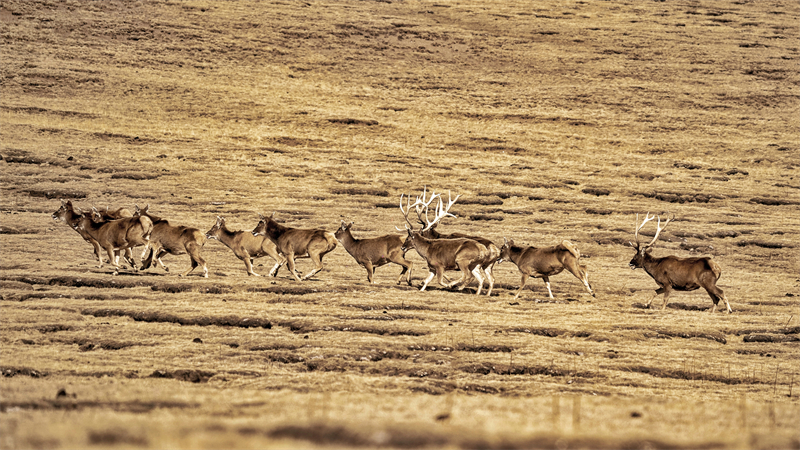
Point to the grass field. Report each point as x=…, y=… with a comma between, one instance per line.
x=553, y=120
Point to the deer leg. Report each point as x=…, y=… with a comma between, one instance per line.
x=477, y=273
x=290, y=265
x=658, y=291
x=522, y=284
x=465, y=273
x=405, y=264
x=113, y=259
x=317, y=260
x=580, y=274
x=490, y=277
x=667, y=291
x=279, y=261
x=428, y=280
x=248, y=264
x=547, y=283
x=370, y=272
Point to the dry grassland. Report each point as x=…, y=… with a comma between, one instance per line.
x=554, y=120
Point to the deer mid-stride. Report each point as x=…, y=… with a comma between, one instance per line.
x=297, y=242
x=674, y=273
x=463, y=254
x=372, y=253
x=174, y=240
x=545, y=262
x=246, y=246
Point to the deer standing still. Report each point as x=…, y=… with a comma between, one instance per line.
x=296, y=242
x=463, y=254
x=672, y=272
x=544, y=263
x=375, y=252
x=174, y=240
x=246, y=246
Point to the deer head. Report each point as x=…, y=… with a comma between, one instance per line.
x=214, y=232
x=643, y=250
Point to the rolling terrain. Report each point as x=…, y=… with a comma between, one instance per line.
x=553, y=120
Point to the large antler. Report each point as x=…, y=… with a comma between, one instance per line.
x=441, y=210
x=659, y=228
x=405, y=212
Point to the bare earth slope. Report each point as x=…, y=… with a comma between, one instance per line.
x=554, y=120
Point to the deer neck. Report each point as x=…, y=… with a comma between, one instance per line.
x=274, y=230
x=422, y=244
x=347, y=239
x=225, y=235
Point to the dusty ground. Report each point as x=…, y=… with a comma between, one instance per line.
x=553, y=120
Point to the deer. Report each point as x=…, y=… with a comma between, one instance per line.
x=67, y=214
x=118, y=235
x=463, y=254
x=375, y=252
x=675, y=273
x=487, y=265
x=174, y=240
x=297, y=242
x=544, y=263
x=246, y=246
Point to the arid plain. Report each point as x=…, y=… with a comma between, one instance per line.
x=553, y=120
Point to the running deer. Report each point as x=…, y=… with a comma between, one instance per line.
x=116, y=236
x=375, y=252
x=296, y=242
x=545, y=262
x=246, y=246
x=487, y=265
x=463, y=254
x=174, y=240
x=672, y=272
x=67, y=214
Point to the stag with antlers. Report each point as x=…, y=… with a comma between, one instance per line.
x=463, y=254
x=672, y=272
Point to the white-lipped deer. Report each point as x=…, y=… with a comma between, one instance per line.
x=545, y=262
x=371, y=253
x=674, y=273
x=116, y=236
x=487, y=265
x=67, y=214
x=463, y=254
x=296, y=243
x=246, y=246
x=174, y=240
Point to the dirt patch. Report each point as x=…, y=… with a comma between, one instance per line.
x=25, y=371
x=680, y=374
x=361, y=191
x=486, y=368
x=307, y=327
x=135, y=176
x=764, y=244
x=681, y=197
x=191, y=375
x=147, y=316
x=550, y=332
x=351, y=121
x=786, y=330
x=770, y=338
x=76, y=405
x=486, y=201
x=56, y=193
x=773, y=201
x=666, y=334
x=596, y=191
x=486, y=217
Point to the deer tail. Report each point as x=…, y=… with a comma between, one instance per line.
x=571, y=248
x=715, y=268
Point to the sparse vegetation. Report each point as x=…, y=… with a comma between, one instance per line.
x=553, y=120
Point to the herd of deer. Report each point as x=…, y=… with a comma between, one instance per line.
x=118, y=231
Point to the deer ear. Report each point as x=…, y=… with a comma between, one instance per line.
x=350, y=225
x=273, y=215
